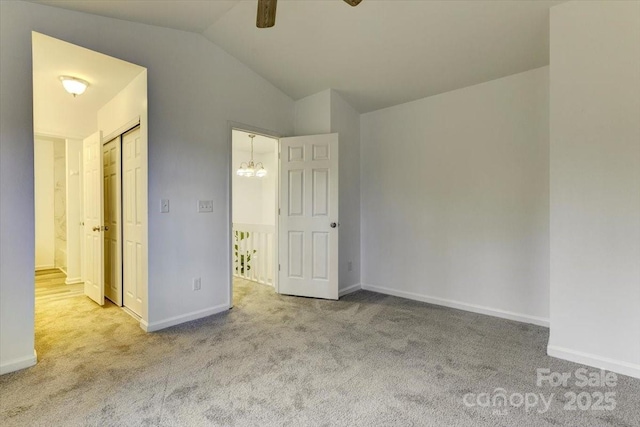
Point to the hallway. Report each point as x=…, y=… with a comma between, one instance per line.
x=51, y=286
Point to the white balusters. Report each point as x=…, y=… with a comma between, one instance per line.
x=254, y=257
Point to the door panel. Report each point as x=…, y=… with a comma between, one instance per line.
x=112, y=221
x=93, y=219
x=308, y=247
x=132, y=232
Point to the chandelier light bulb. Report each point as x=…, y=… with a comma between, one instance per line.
x=252, y=169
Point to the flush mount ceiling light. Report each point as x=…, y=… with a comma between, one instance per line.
x=74, y=85
x=252, y=169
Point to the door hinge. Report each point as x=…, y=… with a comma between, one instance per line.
x=278, y=211
x=278, y=267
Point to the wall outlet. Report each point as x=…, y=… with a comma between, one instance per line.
x=350, y=266
x=164, y=206
x=205, y=205
x=197, y=284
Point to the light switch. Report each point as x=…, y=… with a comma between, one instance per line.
x=205, y=205
x=164, y=206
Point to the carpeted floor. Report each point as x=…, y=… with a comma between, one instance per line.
x=366, y=360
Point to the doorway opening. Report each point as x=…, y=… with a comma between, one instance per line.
x=90, y=167
x=254, y=206
x=285, y=235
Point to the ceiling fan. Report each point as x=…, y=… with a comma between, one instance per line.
x=267, y=12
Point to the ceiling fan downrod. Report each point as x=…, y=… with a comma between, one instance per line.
x=266, y=17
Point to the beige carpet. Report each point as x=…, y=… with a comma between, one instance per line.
x=366, y=360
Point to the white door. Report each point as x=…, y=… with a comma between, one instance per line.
x=308, y=222
x=112, y=214
x=134, y=195
x=93, y=219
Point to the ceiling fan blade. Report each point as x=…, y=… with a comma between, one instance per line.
x=266, y=13
x=353, y=2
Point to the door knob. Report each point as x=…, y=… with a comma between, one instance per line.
x=96, y=228
x=105, y=228
x=334, y=224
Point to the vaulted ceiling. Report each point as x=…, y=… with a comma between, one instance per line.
x=378, y=54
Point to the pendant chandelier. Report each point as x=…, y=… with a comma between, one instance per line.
x=252, y=169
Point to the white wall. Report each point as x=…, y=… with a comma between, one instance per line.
x=455, y=191
x=129, y=105
x=346, y=122
x=313, y=114
x=247, y=195
x=44, y=204
x=195, y=90
x=254, y=199
x=595, y=184
x=74, y=210
x=328, y=112
x=269, y=185
x=60, y=203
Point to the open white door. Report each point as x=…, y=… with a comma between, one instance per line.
x=134, y=195
x=93, y=219
x=308, y=221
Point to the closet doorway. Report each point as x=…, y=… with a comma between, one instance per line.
x=120, y=244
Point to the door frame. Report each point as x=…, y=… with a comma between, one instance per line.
x=231, y=126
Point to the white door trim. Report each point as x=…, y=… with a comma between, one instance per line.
x=231, y=125
x=122, y=130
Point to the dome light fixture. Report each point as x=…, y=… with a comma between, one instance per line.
x=252, y=169
x=74, y=85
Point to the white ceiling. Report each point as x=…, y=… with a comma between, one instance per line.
x=57, y=112
x=378, y=54
x=261, y=144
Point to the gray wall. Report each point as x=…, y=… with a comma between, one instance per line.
x=455, y=193
x=595, y=184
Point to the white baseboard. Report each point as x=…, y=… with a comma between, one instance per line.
x=349, y=289
x=20, y=363
x=173, y=321
x=45, y=267
x=73, y=281
x=524, y=318
x=617, y=366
